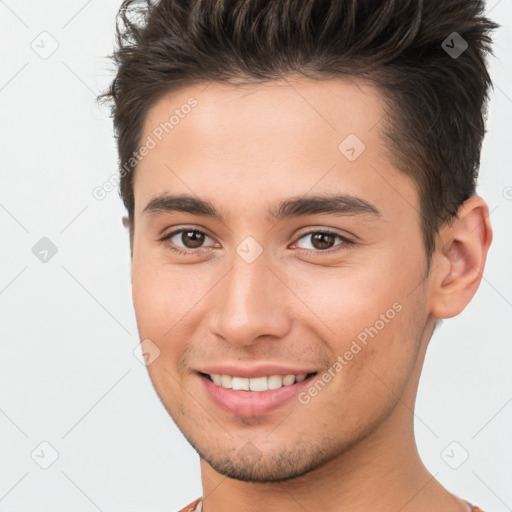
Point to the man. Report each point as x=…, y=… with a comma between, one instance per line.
x=300, y=186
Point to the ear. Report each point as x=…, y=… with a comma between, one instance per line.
x=459, y=259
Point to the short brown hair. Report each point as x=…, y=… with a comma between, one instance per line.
x=414, y=51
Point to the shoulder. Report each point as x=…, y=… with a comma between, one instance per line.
x=193, y=505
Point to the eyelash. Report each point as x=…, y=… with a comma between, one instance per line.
x=346, y=243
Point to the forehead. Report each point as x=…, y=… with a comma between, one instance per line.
x=250, y=142
x=281, y=113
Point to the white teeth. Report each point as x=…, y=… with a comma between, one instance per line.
x=257, y=383
x=239, y=383
x=275, y=382
x=225, y=381
x=288, y=379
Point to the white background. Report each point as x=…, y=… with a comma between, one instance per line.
x=67, y=327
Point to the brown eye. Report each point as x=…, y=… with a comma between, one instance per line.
x=186, y=240
x=320, y=240
x=192, y=239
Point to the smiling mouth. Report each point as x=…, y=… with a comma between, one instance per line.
x=256, y=384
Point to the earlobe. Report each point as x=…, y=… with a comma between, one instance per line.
x=459, y=260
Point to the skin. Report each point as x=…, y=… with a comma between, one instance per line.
x=244, y=149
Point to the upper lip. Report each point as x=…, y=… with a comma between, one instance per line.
x=249, y=372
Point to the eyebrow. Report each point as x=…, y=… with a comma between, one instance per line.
x=338, y=204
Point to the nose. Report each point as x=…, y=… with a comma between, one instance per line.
x=250, y=303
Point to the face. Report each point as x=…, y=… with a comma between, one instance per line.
x=296, y=249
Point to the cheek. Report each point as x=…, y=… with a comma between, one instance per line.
x=371, y=319
x=367, y=377
x=162, y=293
x=169, y=302
x=390, y=346
x=160, y=302
x=347, y=301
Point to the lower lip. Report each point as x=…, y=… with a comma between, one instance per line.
x=252, y=403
